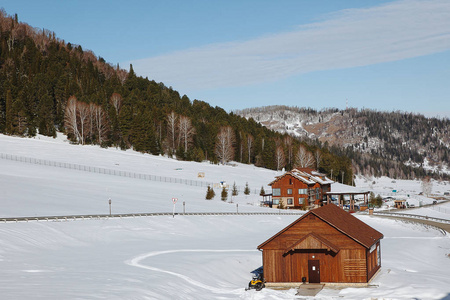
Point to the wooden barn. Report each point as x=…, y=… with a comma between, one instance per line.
x=325, y=245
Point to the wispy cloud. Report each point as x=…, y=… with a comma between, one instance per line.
x=348, y=38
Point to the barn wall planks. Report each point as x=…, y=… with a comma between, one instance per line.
x=352, y=263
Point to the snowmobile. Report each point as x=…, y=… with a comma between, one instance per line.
x=256, y=283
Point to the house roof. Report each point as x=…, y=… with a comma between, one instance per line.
x=342, y=221
x=306, y=175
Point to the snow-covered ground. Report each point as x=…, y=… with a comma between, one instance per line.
x=186, y=257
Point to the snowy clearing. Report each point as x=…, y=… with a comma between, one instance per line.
x=186, y=257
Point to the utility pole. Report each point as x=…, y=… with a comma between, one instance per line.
x=109, y=206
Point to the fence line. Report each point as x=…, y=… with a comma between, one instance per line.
x=445, y=221
x=99, y=170
x=134, y=215
x=440, y=209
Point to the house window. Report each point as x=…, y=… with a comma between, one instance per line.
x=303, y=191
x=276, y=192
x=290, y=180
x=290, y=201
x=275, y=201
x=317, y=193
x=301, y=201
x=289, y=191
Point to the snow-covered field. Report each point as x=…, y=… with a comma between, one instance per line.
x=186, y=257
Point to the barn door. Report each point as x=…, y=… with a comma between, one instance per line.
x=314, y=271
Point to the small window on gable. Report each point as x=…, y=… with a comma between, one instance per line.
x=290, y=180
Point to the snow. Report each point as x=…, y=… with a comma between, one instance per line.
x=186, y=257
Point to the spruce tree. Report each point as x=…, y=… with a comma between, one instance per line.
x=262, y=191
x=247, y=189
x=224, y=194
x=210, y=193
x=234, y=192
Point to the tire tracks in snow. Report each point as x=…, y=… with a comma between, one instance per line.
x=136, y=262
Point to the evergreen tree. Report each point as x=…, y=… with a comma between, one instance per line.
x=247, y=189
x=224, y=194
x=234, y=191
x=262, y=191
x=210, y=193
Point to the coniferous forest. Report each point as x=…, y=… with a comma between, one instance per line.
x=49, y=86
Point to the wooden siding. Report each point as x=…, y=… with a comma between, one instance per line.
x=282, y=265
x=372, y=262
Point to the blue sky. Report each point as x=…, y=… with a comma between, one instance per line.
x=385, y=55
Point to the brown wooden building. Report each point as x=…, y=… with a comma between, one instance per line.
x=300, y=188
x=327, y=244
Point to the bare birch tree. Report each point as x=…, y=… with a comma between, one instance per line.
x=186, y=131
x=83, y=117
x=288, y=142
x=70, y=118
x=280, y=157
x=318, y=157
x=172, y=130
x=304, y=158
x=427, y=186
x=101, y=125
x=250, y=140
x=224, y=145
x=116, y=101
x=92, y=109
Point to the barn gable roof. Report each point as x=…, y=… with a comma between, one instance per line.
x=313, y=241
x=342, y=221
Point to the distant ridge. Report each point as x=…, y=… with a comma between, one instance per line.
x=379, y=143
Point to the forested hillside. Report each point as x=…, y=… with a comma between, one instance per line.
x=395, y=144
x=48, y=85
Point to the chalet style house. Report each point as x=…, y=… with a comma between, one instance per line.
x=325, y=245
x=300, y=188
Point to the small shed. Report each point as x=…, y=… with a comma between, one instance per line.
x=400, y=203
x=325, y=245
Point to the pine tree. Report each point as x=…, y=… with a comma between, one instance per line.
x=262, y=191
x=210, y=193
x=224, y=194
x=247, y=189
x=234, y=192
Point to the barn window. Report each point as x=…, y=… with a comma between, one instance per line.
x=290, y=201
x=276, y=192
x=289, y=191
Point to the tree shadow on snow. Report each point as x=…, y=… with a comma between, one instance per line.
x=446, y=297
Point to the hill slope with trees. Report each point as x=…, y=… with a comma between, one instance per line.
x=48, y=85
